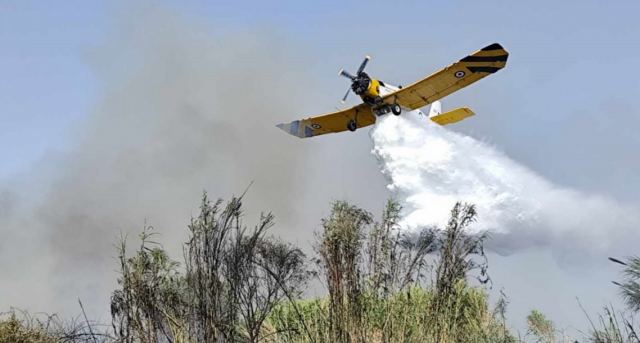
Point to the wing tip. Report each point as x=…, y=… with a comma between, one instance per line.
x=290, y=128
x=494, y=46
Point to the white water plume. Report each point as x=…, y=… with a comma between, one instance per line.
x=430, y=167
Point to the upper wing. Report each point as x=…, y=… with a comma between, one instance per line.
x=468, y=70
x=332, y=122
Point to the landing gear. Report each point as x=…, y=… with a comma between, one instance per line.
x=351, y=125
x=396, y=109
x=384, y=109
x=381, y=110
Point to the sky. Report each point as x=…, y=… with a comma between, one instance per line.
x=98, y=96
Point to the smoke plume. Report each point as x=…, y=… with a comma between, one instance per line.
x=182, y=108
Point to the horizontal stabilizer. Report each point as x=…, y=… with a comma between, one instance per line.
x=452, y=116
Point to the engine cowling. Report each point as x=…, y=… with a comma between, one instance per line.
x=361, y=84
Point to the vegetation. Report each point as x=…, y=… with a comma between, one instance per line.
x=630, y=287
x=233, y=278
x=378, y=284
x=383, y=284
x=540, y=327
x=21, y=331
x=20, y=327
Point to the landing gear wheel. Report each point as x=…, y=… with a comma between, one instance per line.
x=396, y=109
x=351, y=125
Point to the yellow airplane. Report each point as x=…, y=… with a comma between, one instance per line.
x=380, y=98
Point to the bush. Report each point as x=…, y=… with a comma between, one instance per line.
x=376, y=277
x=14, y=330
x=233, y=278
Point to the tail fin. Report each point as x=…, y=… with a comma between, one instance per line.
x=435, y=109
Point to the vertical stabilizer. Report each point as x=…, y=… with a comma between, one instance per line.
x=435, y=109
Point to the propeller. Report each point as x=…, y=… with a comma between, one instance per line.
x=353, y=78
x=346, y=95
x=346, y=74
x=364, y=64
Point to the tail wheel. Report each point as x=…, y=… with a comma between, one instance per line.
x=351, y=125
x=396, y=109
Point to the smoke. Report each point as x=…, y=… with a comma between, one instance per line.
x=429, y=168
x=182, y=108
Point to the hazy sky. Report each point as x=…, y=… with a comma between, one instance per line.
x=566, y=106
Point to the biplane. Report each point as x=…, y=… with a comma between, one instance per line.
x=380, y=98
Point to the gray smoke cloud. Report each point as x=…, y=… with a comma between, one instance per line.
x=182, y=109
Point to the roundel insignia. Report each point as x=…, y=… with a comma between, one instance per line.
x=315, y=126
x=459, y=74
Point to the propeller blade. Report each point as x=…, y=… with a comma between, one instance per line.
x=364, y=64
x=346, y=74
x=345, y=95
